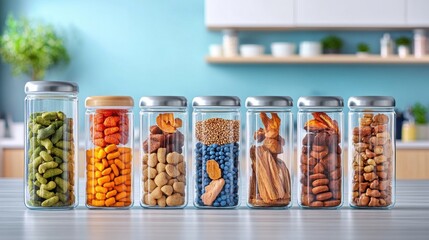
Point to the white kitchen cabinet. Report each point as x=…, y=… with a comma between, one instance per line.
x=354, y=13
x=417, y=12
x=249, y=13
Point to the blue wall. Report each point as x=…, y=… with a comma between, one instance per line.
x=157, y=48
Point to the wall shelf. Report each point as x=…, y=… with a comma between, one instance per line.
x=317, y=28
x=324, y=59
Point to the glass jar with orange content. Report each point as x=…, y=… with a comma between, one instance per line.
x=109, y=151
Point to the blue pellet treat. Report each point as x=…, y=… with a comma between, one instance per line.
x=227, y=157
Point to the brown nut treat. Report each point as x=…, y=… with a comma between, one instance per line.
x=175, y=200
x=382, y=175
x=307, y=199
x=155, y=130
x=317, y=176
x=161, y=202
x=179, y=187
x=181, y=178
x=380, y=128
x=172, y=170
x=319, y=168
x=335, y=185
x=318, y=148
x=308, y=139
x=167, y=190
x=362, y=131
x=320, y=189
x=380, y=119
x=324, y=196
x=161, y=153
x=373, y=193
x=370, y=176
x=336, y=174
x=316, y=204
x=332, y=203
x=365, y=121
x=320, y=182
x=369, y=153
x=161, y=179
x=319, y=155
x=336, y=195
x=160, y=167
x=383, y=185
x=374, y=202
x=374, y=184
x=363, y=200
x=321, y=139
x=149, y=200
x=362, y=186
x=360, y=147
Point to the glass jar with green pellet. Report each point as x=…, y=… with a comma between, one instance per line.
x=51, y=145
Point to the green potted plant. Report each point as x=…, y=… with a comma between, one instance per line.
x=419, y=112
x=363, y=49
x=403, y=45
x=31, y=48
x=332, y=44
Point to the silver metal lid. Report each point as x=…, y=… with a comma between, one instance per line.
x=163, y=101
x=371, y=101
x=216, y=101
x=38, y=87
x=269, y=101
x=320, y=102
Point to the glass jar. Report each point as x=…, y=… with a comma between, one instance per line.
x=270, y=151
x=216, y=142
x=51, y=145
x=372, y=152
x=320, y=127
x=163, y=138
x=109, y=151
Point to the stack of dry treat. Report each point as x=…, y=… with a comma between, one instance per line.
x=109, y=163
x=321, y=163
x=270, y=184
x=372, y=162
x=164, y=168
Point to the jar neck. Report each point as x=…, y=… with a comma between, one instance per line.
x=369, y=109
x=164, y=109
x=217, y=109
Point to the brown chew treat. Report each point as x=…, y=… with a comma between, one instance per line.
x=270, y=184
x=321, y=163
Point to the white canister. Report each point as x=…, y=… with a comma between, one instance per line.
x=310, y=49
x=420, y=43
x=251, y=50
x=215, y=50
x=230, y=43
x=282, y=49
x=403, y=51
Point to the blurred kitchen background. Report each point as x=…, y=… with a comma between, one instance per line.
x=192, y=48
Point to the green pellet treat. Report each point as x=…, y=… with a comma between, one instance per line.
x=63, y=198
x=42, y=121
x=57, y=135
x=41, y=179
x=51, y=185
x=65, y=145
x=45, y=132
x=61, y=115
x=58, y=160
x=60, y=153
x=36, y=153
x=50, y=202
x=47, y=143
x=36, y=127
x=52, y=172
x=46, y=156
x=45, y=166
x=50, y=115
x=35, y=163
x=63, y=184
x=44, y=193
x=50, y=160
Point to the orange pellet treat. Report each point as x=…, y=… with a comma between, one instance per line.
x=109, y=177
